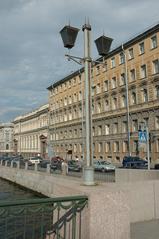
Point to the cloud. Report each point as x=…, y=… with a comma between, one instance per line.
x=31, y=50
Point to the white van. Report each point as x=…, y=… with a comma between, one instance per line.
x=35, y=160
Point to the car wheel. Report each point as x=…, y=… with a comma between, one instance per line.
x=103, y=170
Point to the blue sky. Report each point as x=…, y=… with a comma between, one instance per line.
x=32, y=52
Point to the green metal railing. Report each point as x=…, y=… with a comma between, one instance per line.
x=48, y=218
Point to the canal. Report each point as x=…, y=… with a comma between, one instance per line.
x=10, y=191
x=21, y=222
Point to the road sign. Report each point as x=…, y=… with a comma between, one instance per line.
x=142, y=135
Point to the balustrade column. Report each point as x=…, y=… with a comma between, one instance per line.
x=11, y=164
x=48, y=168
x=26, y=165
x=36, y=167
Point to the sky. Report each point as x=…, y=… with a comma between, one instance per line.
x=31, y=50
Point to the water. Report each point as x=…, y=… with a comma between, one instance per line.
x=25, y=225
x=10, y=191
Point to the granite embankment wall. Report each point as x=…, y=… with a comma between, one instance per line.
x=112, y=206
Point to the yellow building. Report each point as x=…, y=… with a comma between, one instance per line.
x=31, y=133
x=136, y=61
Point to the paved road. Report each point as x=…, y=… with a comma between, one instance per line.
x=145, y=230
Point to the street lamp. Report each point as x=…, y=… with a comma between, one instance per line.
x=103, y=43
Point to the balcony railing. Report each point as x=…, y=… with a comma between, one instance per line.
x=48, y=218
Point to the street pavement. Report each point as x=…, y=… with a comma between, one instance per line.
x=145, y=230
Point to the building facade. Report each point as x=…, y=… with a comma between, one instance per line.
x=135, y=62
x=6, y=139
x=31, y=133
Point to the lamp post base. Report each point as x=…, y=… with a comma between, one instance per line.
x=88, y=176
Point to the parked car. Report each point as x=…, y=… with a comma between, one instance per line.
x=156, y=165
x=74, y=165
x=134, y=162
x=103, y=166
x=56, y=163
x=44, y=163
x=34, y=160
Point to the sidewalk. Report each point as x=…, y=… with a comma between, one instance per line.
x=145, y=230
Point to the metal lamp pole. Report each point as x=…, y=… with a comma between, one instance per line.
x=88, y=168
x=103, y=44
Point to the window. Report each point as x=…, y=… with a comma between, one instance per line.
x=70, y=115
x=143, y=71
x=107, y=147
x=157, y=91
x=97, y=70
x=65, y=116
x=123, y=101
x=92, y=107
x=74, y=80
x=133, y=98
x=153, y=42
x=156, y=66
x=145, y=95
x=115, y=128
x=106, y=104
x=124, y=127
x=146, y=121
x=93, y=131
x=132, y=75
x=125, y=146
x=122, y=58
x=100, y=147
x=99, y=130
x=157, y=142
x=75, y=133
x=130, y=54
x=116, y=146
x=80, y=95
x=93, y=90
x=122, y=79
x=70, y=99
x=112, y=62
x=114, y=82
x=136, y=146
x=106, y=85
x=75, y=97
x=98, y=88
x=65, y=101
x=141, y=48
x=74, y=113
x=75, y=148
x=69, y=83
x=114, y=103
x=157, y=122
x=99, y=108
x=107, y=129
x=105, y=67
x=134, y=126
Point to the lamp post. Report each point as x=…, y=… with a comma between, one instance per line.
x=103, y=43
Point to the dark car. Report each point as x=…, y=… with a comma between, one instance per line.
x=44, y=163
x=74, y=165
x=56, y=163
x=134, y=162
